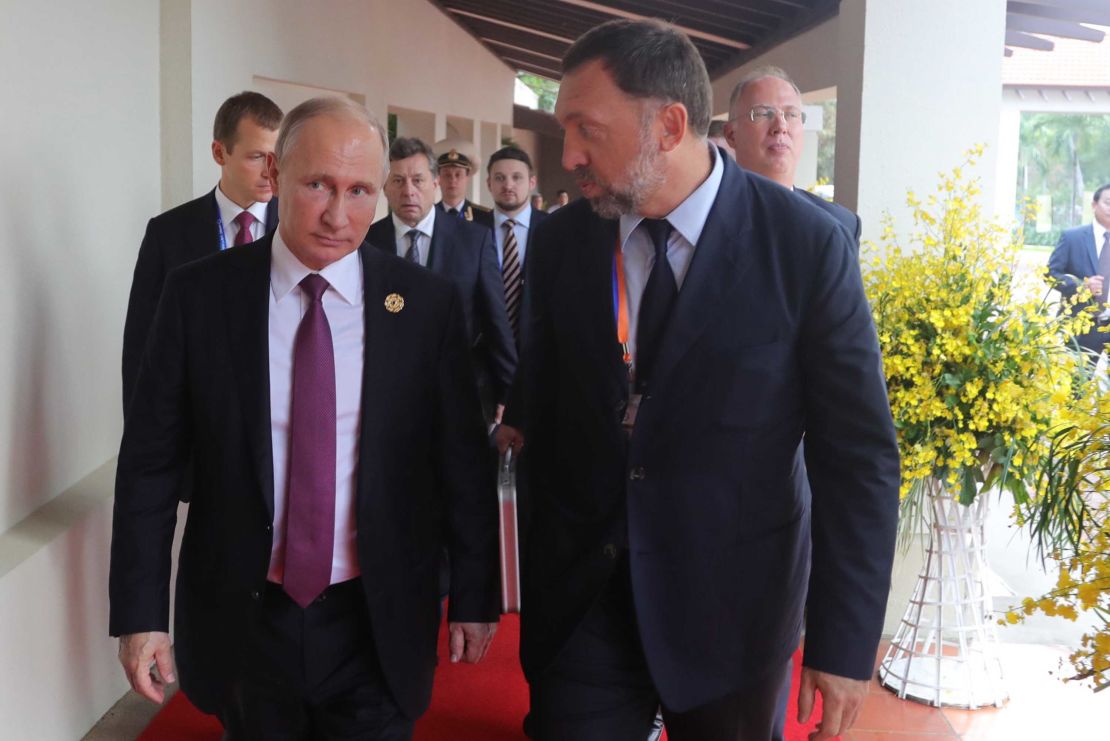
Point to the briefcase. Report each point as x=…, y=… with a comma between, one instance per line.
x=510, y=541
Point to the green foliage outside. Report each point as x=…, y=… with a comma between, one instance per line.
x=826, y=143
x=547, y=90
x=1062, y=159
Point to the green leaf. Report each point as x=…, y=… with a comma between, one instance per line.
x=967, y=490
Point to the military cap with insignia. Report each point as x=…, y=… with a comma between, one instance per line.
x=454, y=157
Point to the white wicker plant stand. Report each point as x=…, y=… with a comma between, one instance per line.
x=945, y=651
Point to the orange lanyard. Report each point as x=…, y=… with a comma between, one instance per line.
x=620, y=304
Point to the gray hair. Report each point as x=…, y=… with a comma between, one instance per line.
x=758, y=74
x=404, y=147
x=333, y=106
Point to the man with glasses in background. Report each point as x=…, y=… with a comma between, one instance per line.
x=766, y=128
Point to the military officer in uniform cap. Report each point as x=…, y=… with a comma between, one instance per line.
x=455, y=168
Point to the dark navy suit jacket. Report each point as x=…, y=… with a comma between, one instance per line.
x=465, y=253
x=770, y=339
x=178, y=236
x=849, y=220
x=424, y=482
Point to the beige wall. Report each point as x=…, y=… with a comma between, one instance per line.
x=80, y=147
x=395, y=55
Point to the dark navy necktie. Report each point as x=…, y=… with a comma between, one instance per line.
x=655, y=304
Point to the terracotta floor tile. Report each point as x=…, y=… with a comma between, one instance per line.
x=977, y=721
x=885, y=712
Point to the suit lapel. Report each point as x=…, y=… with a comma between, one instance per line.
x=383, y=236
x=203, y=238
x=719, y=262
x=443, y=229
x=380, y=333
x=248, y=302
x=271, y=215
x=1090, y=248
x=591, y=298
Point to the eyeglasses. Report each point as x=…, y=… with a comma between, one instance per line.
x=767, y=114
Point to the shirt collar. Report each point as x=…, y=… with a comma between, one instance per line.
x=524, y=218
x=460, y=206
x=1100, y=230
x=286, y=272
x=424, y=226
x=229, y=209
x=689, y=217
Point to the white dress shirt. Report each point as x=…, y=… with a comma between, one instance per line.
x=423, y=240
x=523, y=224
x=229, y=210
x=638, y=255
x=343, y=305
x=1100, y=238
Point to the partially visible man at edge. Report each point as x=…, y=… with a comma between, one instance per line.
x=327, y=393
x=669, y=555
x=766, y=130
x=1081, y=259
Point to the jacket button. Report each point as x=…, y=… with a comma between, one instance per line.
x=256, y=595
x=637, y=474
x=269, y=528
x=609, y=550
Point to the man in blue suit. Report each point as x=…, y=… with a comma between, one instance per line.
x=457, y=249
x=685, y=325
x=766, y=129
x=1082, y=258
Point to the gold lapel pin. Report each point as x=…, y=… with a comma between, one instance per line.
x=394, y=302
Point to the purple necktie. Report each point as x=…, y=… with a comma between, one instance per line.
x=310, y=511
x=244, y=236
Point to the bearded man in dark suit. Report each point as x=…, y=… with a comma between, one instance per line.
x=685, y=326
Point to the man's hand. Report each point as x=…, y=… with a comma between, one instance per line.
x=470, y=641
x=508, y=437
x=1094, y=285
x=842, y=699
x=139, y=653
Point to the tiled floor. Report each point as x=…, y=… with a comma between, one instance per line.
x=1040, y=707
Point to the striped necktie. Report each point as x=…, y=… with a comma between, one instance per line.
x=511, y=276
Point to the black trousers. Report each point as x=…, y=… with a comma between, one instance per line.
x=599, y=687
x=312, y=673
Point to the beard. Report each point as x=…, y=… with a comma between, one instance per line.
x=640, y=181
x=509, y=206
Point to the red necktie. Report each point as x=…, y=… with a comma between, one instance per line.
x=310, y=511
x=244, y=236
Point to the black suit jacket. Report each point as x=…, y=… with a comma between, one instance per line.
x=479, y=214
x=178, y=236
x=770, y=339
x=425, y=472
x=464, y=252
x=849, y=220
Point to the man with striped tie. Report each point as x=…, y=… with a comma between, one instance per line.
x=511, y=181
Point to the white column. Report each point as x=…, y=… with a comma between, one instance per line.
x=919, y=84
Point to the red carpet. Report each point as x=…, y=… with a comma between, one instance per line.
x=486, y=702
